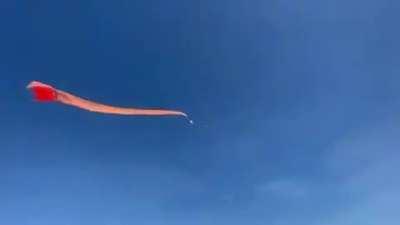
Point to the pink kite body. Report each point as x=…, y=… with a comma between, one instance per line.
x=46, y=93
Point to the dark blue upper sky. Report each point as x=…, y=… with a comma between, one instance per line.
x=296, y=107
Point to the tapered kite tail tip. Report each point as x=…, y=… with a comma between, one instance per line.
x=187, y=118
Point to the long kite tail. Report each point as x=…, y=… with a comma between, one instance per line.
x=46, y=93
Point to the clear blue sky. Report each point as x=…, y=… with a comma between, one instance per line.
x=296, y=104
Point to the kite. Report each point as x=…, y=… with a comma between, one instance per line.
x=46, y=93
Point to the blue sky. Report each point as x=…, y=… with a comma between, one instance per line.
x=296, y=107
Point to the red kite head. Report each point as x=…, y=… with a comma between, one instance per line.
x=42, y=92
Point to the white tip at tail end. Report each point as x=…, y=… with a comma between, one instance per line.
x=187, y=118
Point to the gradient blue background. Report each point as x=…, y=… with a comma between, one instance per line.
x=296, y=104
